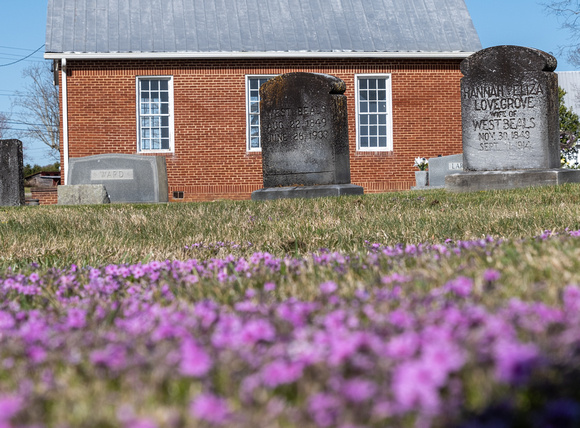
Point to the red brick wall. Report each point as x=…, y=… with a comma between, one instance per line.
x=45, y=195
x=210, y=159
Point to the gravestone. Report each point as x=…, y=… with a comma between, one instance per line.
x=509, y=107
x=82, y=194
x=304, y=136
x=440, y=167
x=11, y=175
x=127, y=178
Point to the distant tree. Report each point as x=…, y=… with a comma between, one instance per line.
x=3, y=126
x=569, y=12
x=39, y=107
x=569, y=133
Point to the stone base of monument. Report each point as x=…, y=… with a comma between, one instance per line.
x=501, y=180
x=82, y=194
x=321, y=191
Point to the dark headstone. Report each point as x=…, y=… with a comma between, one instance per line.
x=11, y=176
x=127, y=178
x=509, y=106
x=304, y=132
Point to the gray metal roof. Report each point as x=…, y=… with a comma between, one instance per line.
x=205, y=26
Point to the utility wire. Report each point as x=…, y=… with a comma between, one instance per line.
x=22, y=59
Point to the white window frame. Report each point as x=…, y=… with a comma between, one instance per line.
x=249, y=77
x=170, y=114
x=388, y=113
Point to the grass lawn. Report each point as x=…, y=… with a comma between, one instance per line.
x=399, y=309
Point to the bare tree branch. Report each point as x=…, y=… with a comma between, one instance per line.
x=568, y=11
x=40, y=108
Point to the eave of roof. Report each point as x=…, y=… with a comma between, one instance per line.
x=251, y=55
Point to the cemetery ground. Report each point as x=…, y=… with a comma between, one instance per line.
x=421, y=308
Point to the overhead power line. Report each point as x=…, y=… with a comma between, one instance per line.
x=23, y=58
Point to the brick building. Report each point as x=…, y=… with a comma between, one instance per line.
x=180, y=78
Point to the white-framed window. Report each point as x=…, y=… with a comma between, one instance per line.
x=374, y=119
x=154, y=114
x=253, y=84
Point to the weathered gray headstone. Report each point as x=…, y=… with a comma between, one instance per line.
x=442, y=166
x=82, y=194
x=509, y=106
x=304, y=136
x=11, y=176
x=127, y=178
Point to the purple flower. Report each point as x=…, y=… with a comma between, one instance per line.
x=403, y=346
x=461, y=286
x=210, y=408
x=194, y=360
x=280, y=373
x=358, y=390
x=9, y=406
x=415, y=386
x=269, y=286
x=328, y=287
x=257, y=330
x=113, y=356
x=491, y=275
x=324, y=409
x=514, y=361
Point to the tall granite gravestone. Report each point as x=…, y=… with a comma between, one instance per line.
x=127, y=178
x=304, y=136
x=11, y=176
x=509, y=106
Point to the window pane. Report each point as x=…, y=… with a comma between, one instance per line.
x=364, y=107
x=254, y=83
x=372, y=84
x=382, y=119
x=364, y=120
x=382, y=141
x=254, y=131
x=374, y=130
x=154, y=102
x=364, y=130
x=363, y=95
x=255, y=143
x=254, y=120
x=372, y=95
x=364, y=142
x=363, y=83
x=254, y=108
x=382, y=130
x=381, y=95
x=373, y=119
x=373, y=142
x=382, y=107
x=373, y=107
x=382, y=83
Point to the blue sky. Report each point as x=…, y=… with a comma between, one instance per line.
x=498, y=22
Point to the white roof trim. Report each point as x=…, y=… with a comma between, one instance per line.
x=256, y=55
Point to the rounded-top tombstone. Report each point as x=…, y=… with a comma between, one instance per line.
x=509, y=110
x=304, y=130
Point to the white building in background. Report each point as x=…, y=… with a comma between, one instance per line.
x=570, y=82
